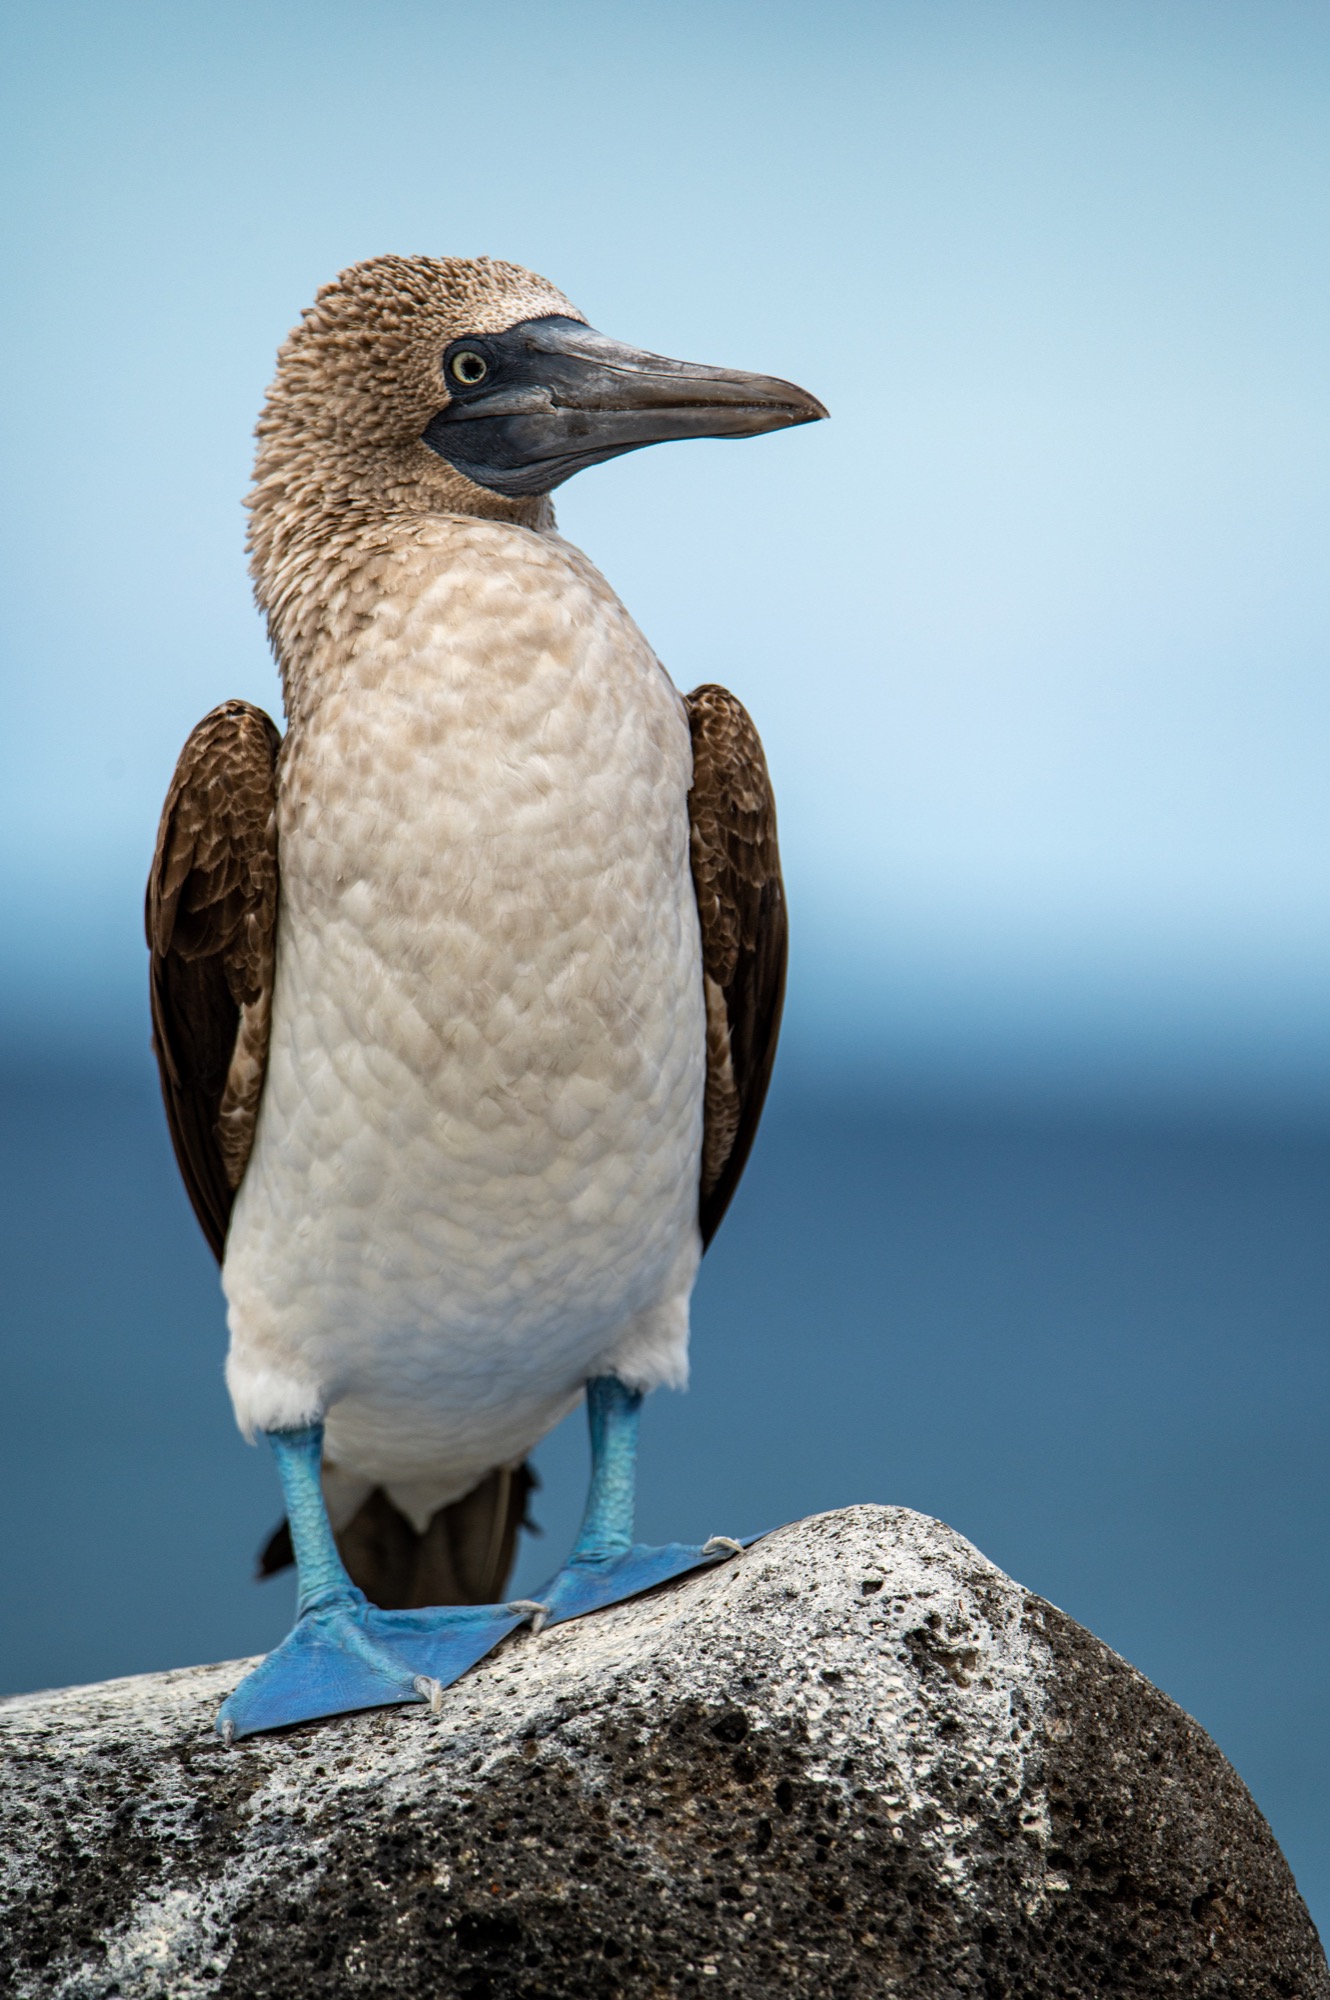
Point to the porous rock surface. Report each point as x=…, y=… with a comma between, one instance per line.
x=858, y=1760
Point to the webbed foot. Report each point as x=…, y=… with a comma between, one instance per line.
x=589, y=1580
x=345, y=1654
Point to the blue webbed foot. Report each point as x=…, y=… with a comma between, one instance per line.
x=590, y=1580
x=345, y=1654
x=607, y=1565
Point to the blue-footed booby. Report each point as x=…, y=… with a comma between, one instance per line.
x=465, y=992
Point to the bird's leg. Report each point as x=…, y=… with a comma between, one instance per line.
x=343, y=1653
x=606, y=1565
x=320, y=1571
x=614, y=1416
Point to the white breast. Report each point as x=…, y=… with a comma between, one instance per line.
x=474, y=1180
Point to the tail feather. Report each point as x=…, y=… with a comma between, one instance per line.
x=463, y=1557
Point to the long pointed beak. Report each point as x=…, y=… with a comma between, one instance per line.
x=557, y=396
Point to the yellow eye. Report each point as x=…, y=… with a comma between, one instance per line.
x=468, y=367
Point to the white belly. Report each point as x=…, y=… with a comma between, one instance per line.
x=474, y=1180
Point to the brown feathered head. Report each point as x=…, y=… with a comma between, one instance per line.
x=466, y=385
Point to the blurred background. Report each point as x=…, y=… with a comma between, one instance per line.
x=1036, y=634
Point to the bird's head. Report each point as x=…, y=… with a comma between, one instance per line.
x=466, y=385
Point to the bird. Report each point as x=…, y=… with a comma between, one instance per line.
x=465, y=990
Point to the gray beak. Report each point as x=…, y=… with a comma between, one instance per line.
x=528, y=408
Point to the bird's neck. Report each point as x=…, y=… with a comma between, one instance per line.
x=321, y=537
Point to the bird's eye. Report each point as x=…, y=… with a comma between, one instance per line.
x=468, y=367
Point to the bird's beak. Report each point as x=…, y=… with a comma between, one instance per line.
x=555, y=395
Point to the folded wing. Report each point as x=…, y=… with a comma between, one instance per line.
x=741, y=908
x=211, y=921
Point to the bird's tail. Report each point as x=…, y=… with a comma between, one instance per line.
x=463, y=1557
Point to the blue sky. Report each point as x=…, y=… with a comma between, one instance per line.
x=1035, y=629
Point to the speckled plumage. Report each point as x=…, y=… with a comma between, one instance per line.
x=496, y=1028
x=478, y=1145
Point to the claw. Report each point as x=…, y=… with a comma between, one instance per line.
x=429, y=1690
x=722, y=1545
x=531, y=1609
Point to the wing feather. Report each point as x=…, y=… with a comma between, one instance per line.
x=211, y=914
x=741, y=909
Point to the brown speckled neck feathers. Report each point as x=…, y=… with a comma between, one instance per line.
x=340, y=466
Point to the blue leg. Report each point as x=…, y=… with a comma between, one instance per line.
x=343, y=1653
x=606, y=1564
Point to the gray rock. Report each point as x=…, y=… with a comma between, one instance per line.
x=856, y=1761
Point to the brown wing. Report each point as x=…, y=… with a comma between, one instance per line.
x=741, y=905
x=211, y=916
